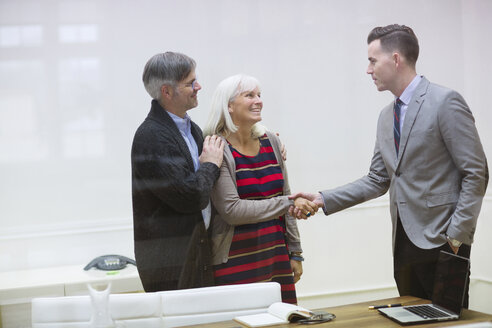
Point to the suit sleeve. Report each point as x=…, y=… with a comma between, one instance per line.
x=161, y=167
x=376, y=183
x=457, y=127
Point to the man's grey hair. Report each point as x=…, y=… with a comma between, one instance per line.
x=168, y=68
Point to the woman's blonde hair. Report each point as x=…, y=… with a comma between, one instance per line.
x=219, y=120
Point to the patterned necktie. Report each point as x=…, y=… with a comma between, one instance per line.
x=396, y=123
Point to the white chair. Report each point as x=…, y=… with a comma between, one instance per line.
x=161, y=309
x=127, y=310
x=211, y=304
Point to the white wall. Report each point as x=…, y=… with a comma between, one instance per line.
x=71, y=98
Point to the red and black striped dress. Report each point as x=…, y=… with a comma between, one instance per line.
x=258, y=251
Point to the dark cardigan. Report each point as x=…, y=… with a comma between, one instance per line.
x=172, y=248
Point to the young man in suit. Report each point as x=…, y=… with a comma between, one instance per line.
x=428, y=154
x=173, y=172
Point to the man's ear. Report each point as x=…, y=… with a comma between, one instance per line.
x=167, y=91
x=396, y=59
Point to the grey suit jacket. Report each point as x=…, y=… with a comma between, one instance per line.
x=438, y=181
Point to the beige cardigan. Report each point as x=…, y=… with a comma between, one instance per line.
x=229, y=210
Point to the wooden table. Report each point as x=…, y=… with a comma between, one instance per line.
x=358, y=315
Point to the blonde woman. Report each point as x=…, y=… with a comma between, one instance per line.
x=253, y=237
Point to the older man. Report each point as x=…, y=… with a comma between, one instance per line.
x=173, y=172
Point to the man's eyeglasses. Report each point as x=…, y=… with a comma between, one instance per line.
x=193, y=85
x=317, y=317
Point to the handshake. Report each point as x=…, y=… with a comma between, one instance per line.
x=305, y=204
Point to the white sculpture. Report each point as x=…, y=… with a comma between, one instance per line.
x=101, y=317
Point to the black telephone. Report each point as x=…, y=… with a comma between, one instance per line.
x=110, y=262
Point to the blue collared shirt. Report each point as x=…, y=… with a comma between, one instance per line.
x=406, y=96
x=184, y=127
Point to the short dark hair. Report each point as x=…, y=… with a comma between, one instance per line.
x=397, y=37
x=166, y=68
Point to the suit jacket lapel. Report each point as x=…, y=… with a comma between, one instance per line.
x=197, y=134
x=411, y=114
x=160, y=115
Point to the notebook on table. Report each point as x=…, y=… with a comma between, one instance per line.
x=447, y=298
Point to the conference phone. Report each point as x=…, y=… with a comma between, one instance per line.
x=110, y=262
